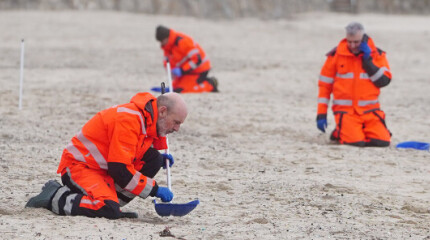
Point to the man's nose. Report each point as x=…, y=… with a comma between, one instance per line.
x=176, y=128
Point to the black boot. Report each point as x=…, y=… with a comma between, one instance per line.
x=42, y=200
x=214, y=82
x=129, y=215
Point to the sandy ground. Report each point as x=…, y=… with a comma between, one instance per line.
x=252, y=153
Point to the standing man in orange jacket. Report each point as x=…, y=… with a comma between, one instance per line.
x=114, y=158
x=190, y=65
x=353, y=73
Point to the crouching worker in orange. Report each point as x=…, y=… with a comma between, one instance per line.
x=354, y=72
x=189, y=63
x=114, y=158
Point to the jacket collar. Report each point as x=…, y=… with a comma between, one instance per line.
x=147, y=104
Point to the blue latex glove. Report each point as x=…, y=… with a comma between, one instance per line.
x=322, y=124
x=177, y=72
x=164, y=194
x=364, y=47
x=167, y=156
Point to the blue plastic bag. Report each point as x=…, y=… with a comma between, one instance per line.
x=414, y=145
x=158, y=89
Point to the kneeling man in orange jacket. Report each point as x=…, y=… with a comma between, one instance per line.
x=354, y=72
x=114, y=158
x=190, y=65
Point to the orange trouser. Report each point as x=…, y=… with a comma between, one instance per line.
x=94, y=189
x=368, y=129
x=192, y=83
x=92, y=192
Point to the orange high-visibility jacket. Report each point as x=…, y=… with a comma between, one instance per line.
x=353, y=82
x=183, y=52
x=115, y=140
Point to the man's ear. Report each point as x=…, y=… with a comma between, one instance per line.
x=162, y=111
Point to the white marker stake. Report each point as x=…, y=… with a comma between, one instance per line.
x=169, y=76
x=169, y=180
x=21, y=78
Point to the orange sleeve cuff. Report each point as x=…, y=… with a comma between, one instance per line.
x=160, y=143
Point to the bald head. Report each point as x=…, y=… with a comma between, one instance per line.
x=172, y=111
x=173, y=102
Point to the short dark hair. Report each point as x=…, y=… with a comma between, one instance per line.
x=161, y=33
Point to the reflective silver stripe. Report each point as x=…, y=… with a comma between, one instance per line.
x=326, y=79
x=133, y=182
x=58, y=194
x=378, y=74
x=127, y=110
x=92, y=148
x=192, y=52
x=69, y=204
x=323, y=100
x=87, y=201
x=74, y=183
x=364, y=76
x=124, y=192
x=189, y=55
x=343, y=102
x=121, y=202
x=75, y=152
x=346, y=75
x=148, y=188
x=192, y=65
x=363, y=103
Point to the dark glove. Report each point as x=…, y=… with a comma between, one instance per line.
x=164, y=194
x=322, y=122
x=364, y=47
x=167, y=156
x=177, y=72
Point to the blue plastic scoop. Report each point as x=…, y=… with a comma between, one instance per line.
x=175, y=209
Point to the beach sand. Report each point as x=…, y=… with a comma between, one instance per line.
x=251, y=154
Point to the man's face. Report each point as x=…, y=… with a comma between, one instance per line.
x=169, y=122
x=164, y=42
x=354, y=41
